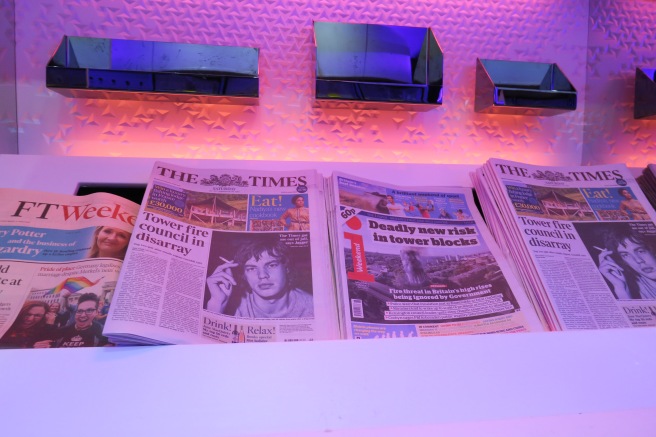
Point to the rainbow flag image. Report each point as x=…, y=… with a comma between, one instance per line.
x=73, y=285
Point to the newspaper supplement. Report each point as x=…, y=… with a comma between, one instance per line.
x=418, y=262
x=226, y=256
x=583, y=239
x=60, y=257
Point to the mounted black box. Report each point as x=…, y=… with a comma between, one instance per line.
x=522, y=88
x=377, y=63
x=645, y=93
x=149, y=70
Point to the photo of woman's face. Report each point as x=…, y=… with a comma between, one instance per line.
x=112, y=241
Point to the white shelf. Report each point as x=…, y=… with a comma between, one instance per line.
x=416, y=385
x=564, y=383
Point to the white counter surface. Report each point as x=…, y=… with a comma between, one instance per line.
x=542, y=384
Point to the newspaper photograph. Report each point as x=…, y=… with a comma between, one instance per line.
x=420, y=262
x=223, y=256
x=60, y=257
x=589, y=238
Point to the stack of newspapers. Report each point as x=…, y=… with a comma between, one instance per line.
x=241, y=256
x=582, y=239
x=418, y=262
x=223, y=256
x=226, y=256
x=647, y=181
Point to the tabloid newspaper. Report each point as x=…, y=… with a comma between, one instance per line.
x=226, y=256
x=583, y=239
x=60, y=257
x=419, y=262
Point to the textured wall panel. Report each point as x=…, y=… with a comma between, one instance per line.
x=8, y=115
x=286, y=125
x=621, y=40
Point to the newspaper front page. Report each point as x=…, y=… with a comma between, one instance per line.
x=419, y=262
x=226, y=256
x=583, y=239
x=60, y=257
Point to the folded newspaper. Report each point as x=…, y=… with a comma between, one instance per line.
x=226, y=256
x=583, y=240
x=419, y=262
x=647, y=182
x=60, y=257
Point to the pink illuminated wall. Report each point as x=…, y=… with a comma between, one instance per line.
x=286, y=125
x=8, y=122
x=621, y=39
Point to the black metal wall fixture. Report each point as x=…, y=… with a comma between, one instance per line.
x=149, y=70
x=378, y=63
x=522, y=88
x=645, y=94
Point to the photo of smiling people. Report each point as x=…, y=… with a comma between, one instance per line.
x=397, y=203
x=66, y=315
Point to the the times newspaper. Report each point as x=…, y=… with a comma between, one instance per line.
x=418, y=262
x=226, y=256
x=583, y=239
x=60, y=257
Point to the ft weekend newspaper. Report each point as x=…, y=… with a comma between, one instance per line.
x=60, y=257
